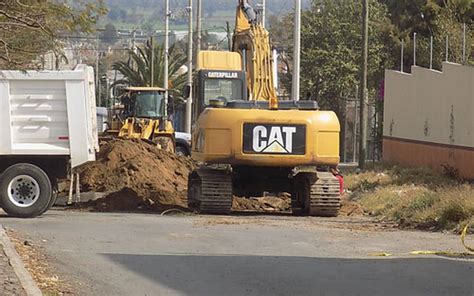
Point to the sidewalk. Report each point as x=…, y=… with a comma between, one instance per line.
x=9, y=282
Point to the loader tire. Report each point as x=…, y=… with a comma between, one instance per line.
x=25, y=191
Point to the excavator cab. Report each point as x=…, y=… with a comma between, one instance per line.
x=219, y=80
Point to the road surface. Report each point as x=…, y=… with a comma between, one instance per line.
x=138, y=254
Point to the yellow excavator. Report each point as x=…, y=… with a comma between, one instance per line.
x=140, y=115
x=248, y=141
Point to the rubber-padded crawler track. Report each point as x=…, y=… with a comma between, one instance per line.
x=325, y=196
x=210, y=191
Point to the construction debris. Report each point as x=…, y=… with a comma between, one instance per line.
x=280, y=203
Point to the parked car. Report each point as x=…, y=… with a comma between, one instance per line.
x=183, y=143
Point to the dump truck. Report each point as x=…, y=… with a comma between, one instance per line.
x=248, y=141
x=48, y=127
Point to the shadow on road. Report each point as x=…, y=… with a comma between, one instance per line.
x=265, y=275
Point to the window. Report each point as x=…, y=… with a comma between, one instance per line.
x=149, y=104
x=225, y=89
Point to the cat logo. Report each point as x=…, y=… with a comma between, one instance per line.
x=274, y=139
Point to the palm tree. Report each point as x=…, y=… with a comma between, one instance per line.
x=137, y=71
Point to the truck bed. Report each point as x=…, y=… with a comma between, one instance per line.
x=49, y=113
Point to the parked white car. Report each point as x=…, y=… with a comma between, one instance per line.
x=183, y=143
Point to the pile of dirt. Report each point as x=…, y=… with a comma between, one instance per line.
x=280, y=203
x=138, y=176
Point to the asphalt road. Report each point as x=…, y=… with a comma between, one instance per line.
x=134, y=254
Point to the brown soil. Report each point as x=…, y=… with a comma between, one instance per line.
x=138, y=175
x=281, y=203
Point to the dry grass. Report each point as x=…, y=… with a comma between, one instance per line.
x=48, y=280
x=414, y=198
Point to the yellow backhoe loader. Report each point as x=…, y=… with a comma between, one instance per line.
x=251, y=143
x=140, y=115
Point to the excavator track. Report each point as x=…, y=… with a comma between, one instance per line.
x=316, y=194
x=324, y=195
x=210, y=191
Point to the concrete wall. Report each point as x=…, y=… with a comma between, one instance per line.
x=429, y=118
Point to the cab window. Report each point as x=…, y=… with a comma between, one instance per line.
x=149, y=104
x=224, y=89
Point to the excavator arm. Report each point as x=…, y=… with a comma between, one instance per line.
x=252, y=41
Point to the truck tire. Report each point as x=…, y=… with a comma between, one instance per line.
x=182, y=151
x=52, y=202
x=25, y=190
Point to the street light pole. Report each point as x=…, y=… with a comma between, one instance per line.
x=166, y=58
x=189, y=101
x=364, y=98
x=296, y=53
x=198, y=27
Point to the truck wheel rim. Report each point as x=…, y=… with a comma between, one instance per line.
x=23, y=191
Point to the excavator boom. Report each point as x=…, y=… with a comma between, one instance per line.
x=252, y=41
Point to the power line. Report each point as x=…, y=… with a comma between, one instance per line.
x=210, y=30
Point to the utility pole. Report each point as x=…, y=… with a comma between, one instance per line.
x=198, y=27
x=133, y=40
x=364, y=97
x=152, y=64
x=134, y=48
x=97, y=80
x=431, y=52
x=229, y=36
x=275, y=69
x=447, y=49
x=295, y=93
x=189, y=102
x=167, y=45
x=414, y=48
x=464, y=59
x=356, y=115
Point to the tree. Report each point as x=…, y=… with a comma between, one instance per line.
x=421, y=16
x=137, y=71
x=109, y=35
x=30, y=28
x=331, y=50
x=437, y=18
x=331, y=54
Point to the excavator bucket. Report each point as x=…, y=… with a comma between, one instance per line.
x=241, y=21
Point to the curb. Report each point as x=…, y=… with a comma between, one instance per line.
x=27, y=282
